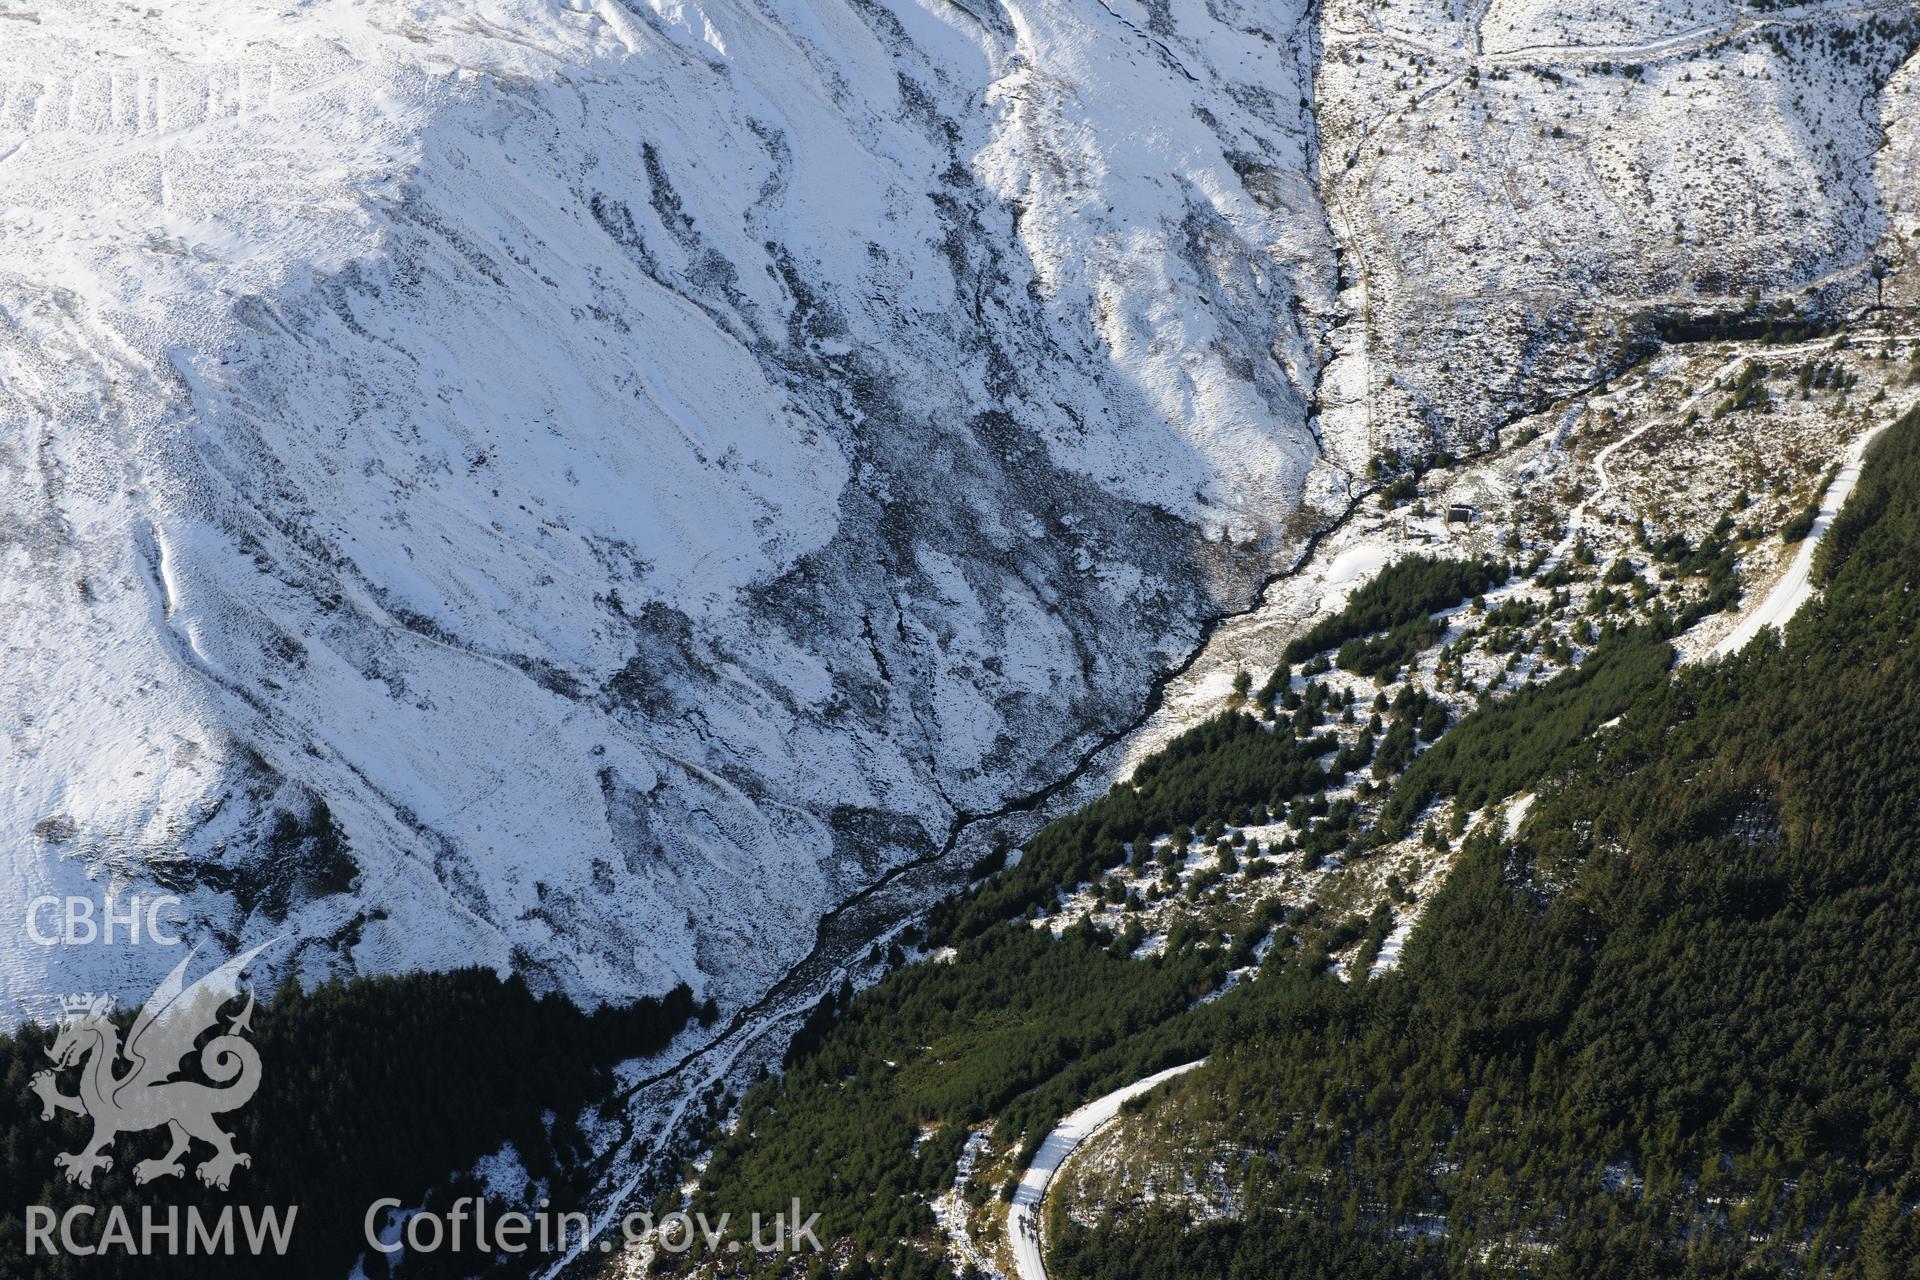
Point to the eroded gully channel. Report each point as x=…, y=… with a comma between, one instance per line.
x=657, y=1105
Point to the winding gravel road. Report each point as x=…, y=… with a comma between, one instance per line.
x=1023, y=1220
x=1795, y=586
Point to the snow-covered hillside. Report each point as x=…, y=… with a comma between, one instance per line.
x=587, y=487
x=1524, y=185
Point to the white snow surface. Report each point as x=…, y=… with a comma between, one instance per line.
x=1520, y=185
x=1391, y=947
x=1517, y=810
x=582, y=487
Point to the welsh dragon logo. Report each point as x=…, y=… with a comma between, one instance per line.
x=145, y=1094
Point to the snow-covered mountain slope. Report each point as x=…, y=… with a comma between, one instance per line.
x=1897, y=170
x=1524, y=184
x=586, y=487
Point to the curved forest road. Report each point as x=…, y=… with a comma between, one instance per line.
x=1795, y=586
x=1023, y=1219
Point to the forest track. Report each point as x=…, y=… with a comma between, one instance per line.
x=1023, y=1219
